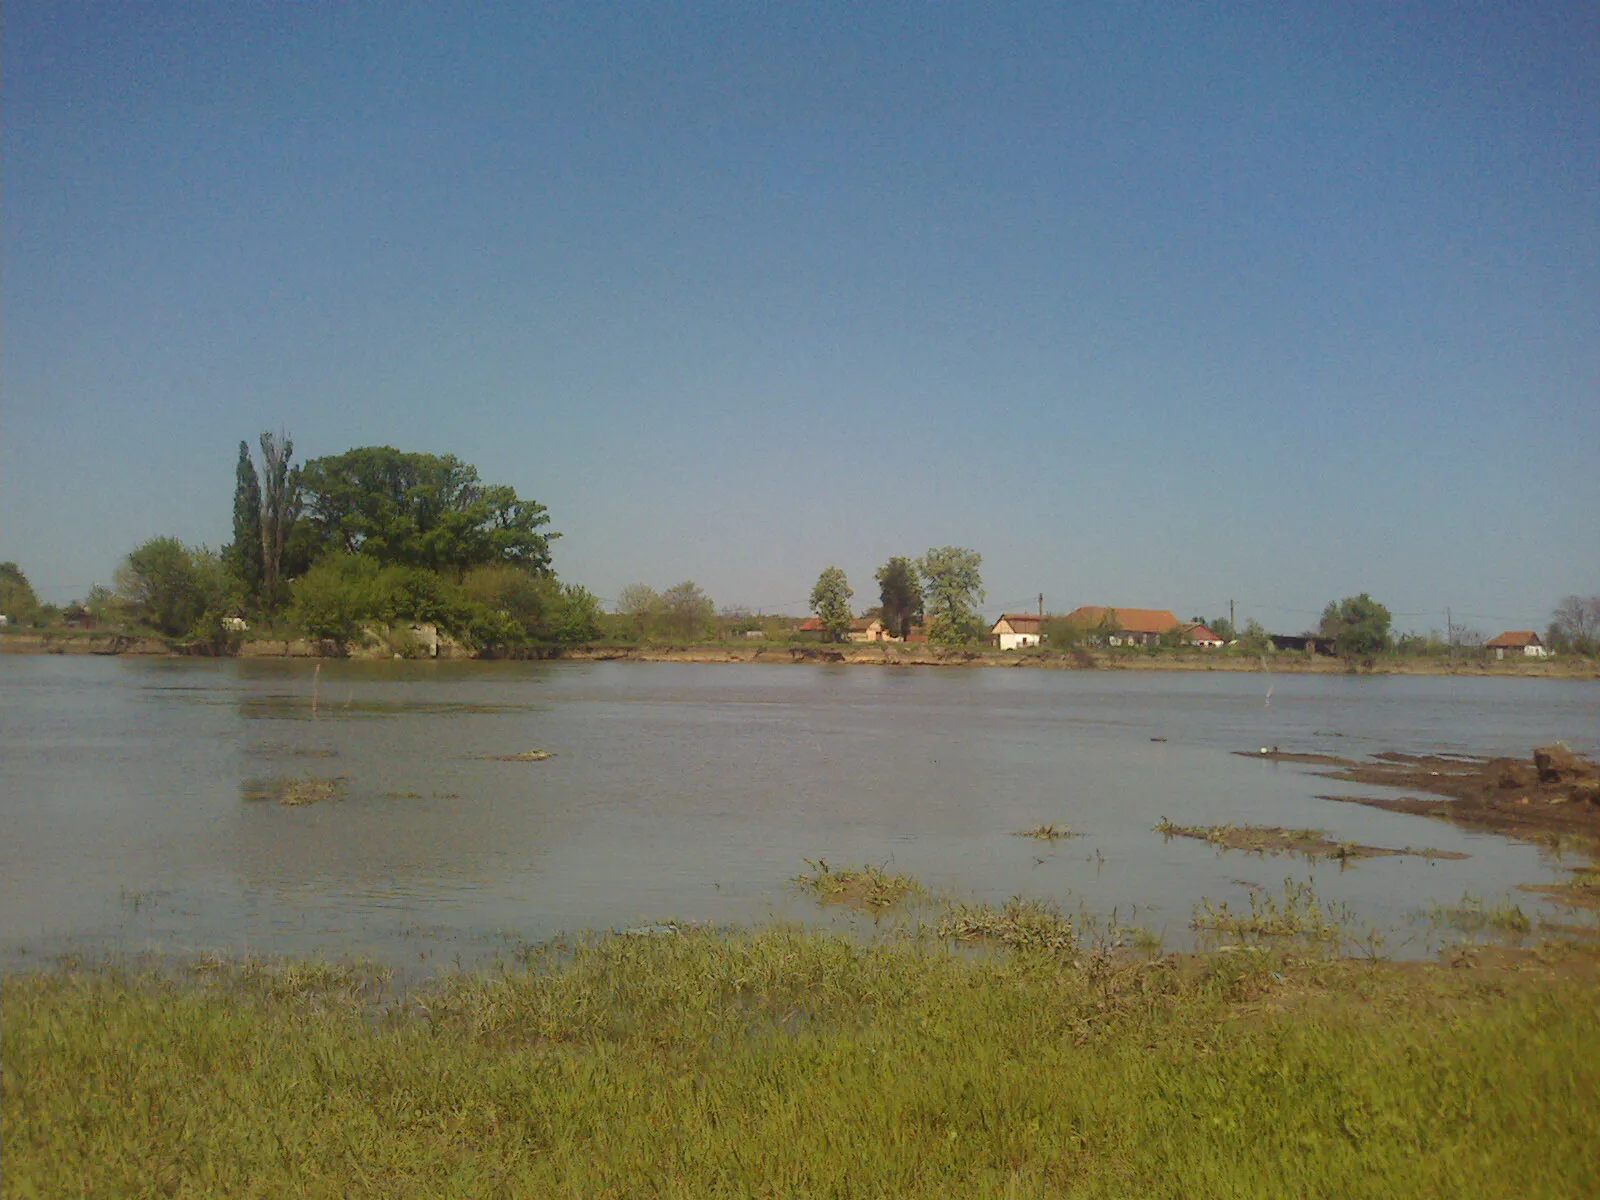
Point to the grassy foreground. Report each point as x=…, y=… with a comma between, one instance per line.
x=782, y=1062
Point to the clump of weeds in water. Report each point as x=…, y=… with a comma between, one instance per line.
x=1018, y=923
x=295, y=793
x=862, y=887
x=1475, y=915
x=1297, y=913
x=1050, y=832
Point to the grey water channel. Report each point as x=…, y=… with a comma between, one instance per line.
x=131, y=817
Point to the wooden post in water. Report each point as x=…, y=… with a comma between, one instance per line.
x=316, y=680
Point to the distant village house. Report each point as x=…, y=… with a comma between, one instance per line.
x=1518, y=643
x=1126, y=626
x=1016, y=630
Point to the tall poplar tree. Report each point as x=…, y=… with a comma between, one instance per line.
x=245, y=555
x=280, y=506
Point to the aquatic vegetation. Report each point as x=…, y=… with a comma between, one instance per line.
x=294, y=793
x=1018, y=923
x=1051, y=832
x=1313, y=844
x=525, y=756
x=861, y=887
x=1475, y=915
x=1296, y=913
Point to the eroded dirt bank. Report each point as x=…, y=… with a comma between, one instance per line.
x=1552, y=794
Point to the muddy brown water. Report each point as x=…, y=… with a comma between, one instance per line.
x=135, y=810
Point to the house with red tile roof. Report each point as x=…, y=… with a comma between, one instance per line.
x=1200, y=635
x=1125, y=626
x=1518, y=643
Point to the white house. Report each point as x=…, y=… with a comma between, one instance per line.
x=1016, y=630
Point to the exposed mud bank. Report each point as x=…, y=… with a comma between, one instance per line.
x=1554, y=794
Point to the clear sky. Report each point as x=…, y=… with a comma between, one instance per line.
x=1152, y=305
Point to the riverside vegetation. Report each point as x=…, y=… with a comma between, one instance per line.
x=786, y=1062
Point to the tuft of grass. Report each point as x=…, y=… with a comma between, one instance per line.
x=525, y=756
x=1018, y=923
x=866, y=887
x=294, y=793
x=788, y=1062
x=1050, y=832
x=1476, y=915
x=1296, y=913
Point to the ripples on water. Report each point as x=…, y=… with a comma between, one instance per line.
x=130, y=813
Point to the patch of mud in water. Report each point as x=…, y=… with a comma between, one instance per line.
x=1312, y=844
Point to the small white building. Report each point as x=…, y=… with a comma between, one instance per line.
x=1517, y=643
x=1016, y=630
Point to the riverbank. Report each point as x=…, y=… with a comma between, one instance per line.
x=870, y=654
x=780, y=1061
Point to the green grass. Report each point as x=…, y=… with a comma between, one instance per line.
x=865, y=887
x=783, y=1062
x=1297, y=913
x=1018, y=923
x=1476, y=915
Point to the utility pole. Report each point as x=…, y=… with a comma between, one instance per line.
x=1449, y=633
x=1231, y=624
x=1041, y=604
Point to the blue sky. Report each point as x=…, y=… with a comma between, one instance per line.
x=1152, y=305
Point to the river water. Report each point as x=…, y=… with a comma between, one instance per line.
x=130, y=817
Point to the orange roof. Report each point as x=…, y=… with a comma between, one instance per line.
x=1199, y=633
x=1514, y=638
x=811, y=625
x=1131, y=620
x=862, y=624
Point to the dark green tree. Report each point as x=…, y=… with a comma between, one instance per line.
x=421, y=510
x=17, y=599
x=953, y=590
x=244, y=556
x=830, y=600
x=900, y=593
x=1359, y=627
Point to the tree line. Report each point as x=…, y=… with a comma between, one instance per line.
x=371, y=539
x=940, y=591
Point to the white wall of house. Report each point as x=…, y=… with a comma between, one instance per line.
x=1016, y=641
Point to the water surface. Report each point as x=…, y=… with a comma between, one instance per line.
x=129, y=817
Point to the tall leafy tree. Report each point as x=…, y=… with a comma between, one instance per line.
x=830, y=600
x=641, y=605
x=280, y=507
x=17, y=599
x=174, y=589
x=686, y=611
x=421, y=510
x=900, y=593
x=1359, y=627
x=952, y=589
x=245, y=556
